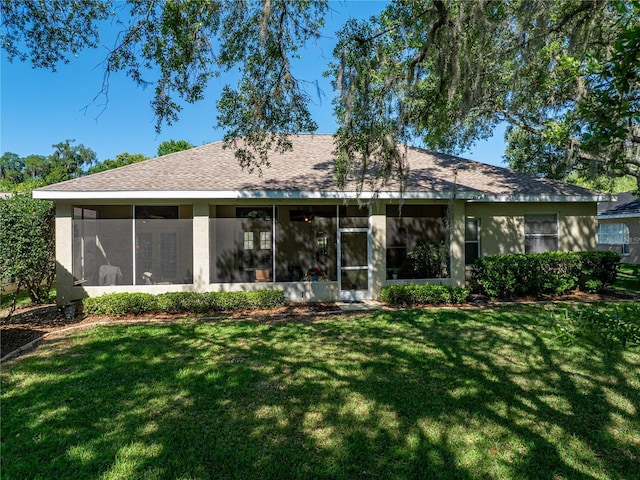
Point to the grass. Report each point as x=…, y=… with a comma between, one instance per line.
x=628, y=278
x=388, y=395
x=6, y=299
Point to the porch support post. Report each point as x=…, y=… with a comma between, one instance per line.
x=64, y=254
x=200, y=246
x=457, y=219
x=378, y=250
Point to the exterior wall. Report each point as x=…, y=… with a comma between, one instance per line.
x=501, y=231
x=633, y=223
x=502, y=225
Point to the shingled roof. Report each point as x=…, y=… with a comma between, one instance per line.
x=211, y=171
x=626, y=205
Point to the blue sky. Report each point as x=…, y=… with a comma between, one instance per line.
x=39, y=108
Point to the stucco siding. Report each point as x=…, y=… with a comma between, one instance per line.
x=502, y=225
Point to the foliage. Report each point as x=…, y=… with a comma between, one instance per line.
x=430, y=260
x=564, y=75
x=121, y=160
x=178, y=47
x=27, y=249
x=181, y=302
x=608, y=327
x=410, y=295
x=550, y=273
x=66, y=162
x=172, y=146
x=604, y=183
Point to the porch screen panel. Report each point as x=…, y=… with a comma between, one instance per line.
x=417, y=228
x=102, y=245
x=306, y=243
x=241, y=249
x=164, y=245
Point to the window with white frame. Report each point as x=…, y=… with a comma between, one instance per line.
x=614, y=234
x=541, y=233
x=471, y=240
x=248, y=240
x=265, y=240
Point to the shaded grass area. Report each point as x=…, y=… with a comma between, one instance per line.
x=23, y=300
x=628, y=278
x=393, y=395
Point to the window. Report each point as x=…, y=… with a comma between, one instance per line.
x=471, y=240
x=248, y=240
x=540, y=233
x=614, y=234
x=265, y=240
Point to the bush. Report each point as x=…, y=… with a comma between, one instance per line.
x=604, y=326
x=27, y=250
x=181, y=302
x=540, y=274
x=408, y=295
x=121, y=304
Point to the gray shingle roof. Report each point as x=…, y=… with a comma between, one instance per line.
x=626, y=205
x=308, y=168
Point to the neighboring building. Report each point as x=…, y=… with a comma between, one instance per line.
x=195, y=221
x=619, y=226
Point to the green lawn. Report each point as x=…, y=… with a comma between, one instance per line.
x=486, y=394
x=628, y=278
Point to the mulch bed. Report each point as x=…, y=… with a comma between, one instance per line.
x=29, y=323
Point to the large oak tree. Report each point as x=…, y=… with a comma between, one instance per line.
x=562, y=73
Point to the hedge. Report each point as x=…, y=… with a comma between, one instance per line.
x=409, y=295
x=544, y=274
x=181, y=302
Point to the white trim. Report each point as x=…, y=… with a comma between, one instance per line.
x=474, y=196
x=613, y=216
x=540, y=198
x=244, y=194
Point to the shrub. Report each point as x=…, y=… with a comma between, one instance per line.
x=121, y=304
x=599, y=266
x=181, y=302
x=608, y=327
x=27, y=244
x=408, y=295
x=539, y=274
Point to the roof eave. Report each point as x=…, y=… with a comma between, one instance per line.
x=244, y=194
x=541, y=198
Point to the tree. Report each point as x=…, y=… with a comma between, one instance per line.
x=442, y=72
x=563, y=74
x=188, y=43
x=27, y=244
x=172, y=146
x=68, y=161
x=121, y=160
x=11, y=167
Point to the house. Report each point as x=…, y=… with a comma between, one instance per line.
x=619, y=226
x=196, y=221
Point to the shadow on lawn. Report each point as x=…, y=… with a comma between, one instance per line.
x=419, y=395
